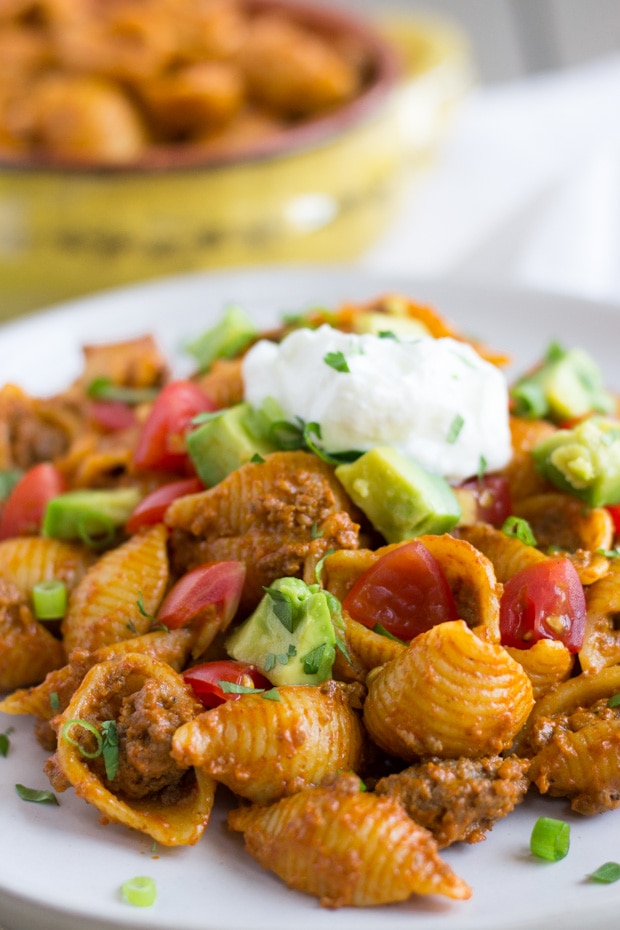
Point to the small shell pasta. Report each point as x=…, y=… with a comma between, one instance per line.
x=547, y=663
x=150, y=792
x=601, y=643
x=346, y=847
x=172, y=647
x=103, y=608
x=449, y=694
x=28, y=560
x=573, y=738
x=265, y=749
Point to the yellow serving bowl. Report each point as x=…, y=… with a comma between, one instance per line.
x=322, y=193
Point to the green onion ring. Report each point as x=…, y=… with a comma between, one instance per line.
x=91, y=729
x=49, y=599
x=550, y=839
x=140, y=891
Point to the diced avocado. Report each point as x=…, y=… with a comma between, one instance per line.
x=234, y=331
x=290, y=636
x=400, y=498
x=568, y=384
x=224, y=443
x=90, y=515
x=584, y=461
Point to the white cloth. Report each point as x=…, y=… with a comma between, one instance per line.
x=525, y=190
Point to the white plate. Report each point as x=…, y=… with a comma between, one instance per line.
x=61, y=870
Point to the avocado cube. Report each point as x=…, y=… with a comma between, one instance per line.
x=583, y=461
x=230, y=335
x=290, y=636
x=401, y=499
x=88, y=514
x=223, y=444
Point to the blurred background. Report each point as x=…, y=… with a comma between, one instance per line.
x=512, y=38
x=476, y=139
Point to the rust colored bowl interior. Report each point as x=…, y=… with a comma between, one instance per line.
x=382, y=74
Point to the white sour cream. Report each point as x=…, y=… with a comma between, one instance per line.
x=436, y=400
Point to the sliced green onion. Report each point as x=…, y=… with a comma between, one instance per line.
x=140, y=891
x=550, y=839
x=614, y=701
x=49, y=599
x=86, y=725
x=38, y=797
x=519, y=529
x=54, y=701
x=96, y=529
x=105, y=389
x=608, y=872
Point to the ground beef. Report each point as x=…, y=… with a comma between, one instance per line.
x=459, y=799
x=146, y=723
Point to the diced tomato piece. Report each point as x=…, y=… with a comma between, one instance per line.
x=205, y=680
x=405, y=591
x=23, y=510
x=614, y=510
x=111, y=415
x=543, y=601
x=161, y=443
x=152, y=509
x=214, y=584
x=491, y=494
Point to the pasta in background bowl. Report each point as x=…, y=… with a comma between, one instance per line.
x=129, y=150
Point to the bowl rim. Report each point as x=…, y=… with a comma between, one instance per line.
x=289, y=141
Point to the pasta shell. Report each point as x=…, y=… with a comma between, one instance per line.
x=564, y=522
x=575, y=738
x=265, y=749
x=264, y=515
x=365, y=650
x=601, y=642
x=449, y=694
x=507, y=553
x=27, y=650
x=27, y=560
x=547, y=663
x=346, y=847
x=103, y=608
x=472, y=580
x=469, y=573
x=150, y=792
x=54, y=693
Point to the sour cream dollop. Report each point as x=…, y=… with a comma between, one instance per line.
x=436, y=400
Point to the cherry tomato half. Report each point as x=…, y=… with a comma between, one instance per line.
x=543, y=601
x=161, y=443
x=212, y=585
x=205, y=680
x=405, y=591
x=112, y=415
x=23, y=510
x=491, y=498
x=614, y=510
x=152, y=508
